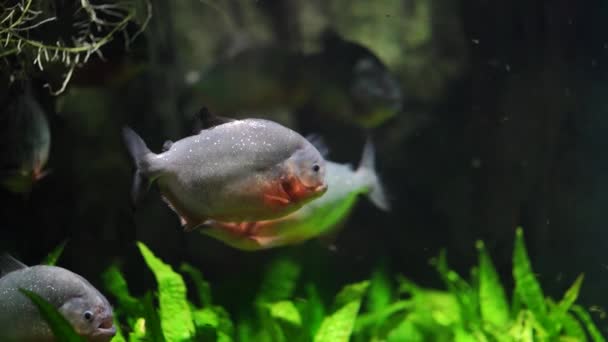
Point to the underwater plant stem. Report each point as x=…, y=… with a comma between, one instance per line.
x=26, y=8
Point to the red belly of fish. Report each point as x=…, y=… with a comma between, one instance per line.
x=285, y=192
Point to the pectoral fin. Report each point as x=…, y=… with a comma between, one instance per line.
x=167, y=145
x=279, y=194
x=277, y=199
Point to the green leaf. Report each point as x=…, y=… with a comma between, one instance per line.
x=407, y=286
x=51, y=258
x=203, y=288
x=526, y=284
x=558, y=313
x=431, y=308
x=119, y=337
x=338, y=326
x=285, y=311
x=380, y=291
x=245, y=330
x=279, y=281
x=571, y=295
x=461, y=335
x=573, y=328
x=312, y=310
x=151, y=327
x=523, y=327
x=215, y=319
x=587, y=321
x=281, y=321
x=61, y=328
x=138, y=332
x=492, y=298
x=364, y=321
x=222, y=337
x=206, y=322
x=116, y=284
x=175, y=315
x=225, y=327
x=516, y=305
x=206, y=317
x=406, y=331
x=465, y=294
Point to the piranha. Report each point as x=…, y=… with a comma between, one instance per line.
x=83, y=305
x=345, y=82
x=321, y=217
x=234, y=170
x=25, y=141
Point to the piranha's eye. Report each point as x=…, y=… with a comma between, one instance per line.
x=88, y=315
x=316, y=168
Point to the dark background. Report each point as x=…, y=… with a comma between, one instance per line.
x=503, y=123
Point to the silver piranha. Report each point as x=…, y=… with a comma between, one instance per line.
x=320, y=217
x=26, y=141
x=236, y=170
x=83, y=306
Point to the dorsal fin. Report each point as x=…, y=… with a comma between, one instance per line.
x=9, y=264
x=319, y=143
x=167, y=145
x=208, y=119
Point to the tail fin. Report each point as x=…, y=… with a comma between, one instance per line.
x=138, y=151
x=376, y=194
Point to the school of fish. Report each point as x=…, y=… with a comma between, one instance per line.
x=252, y=183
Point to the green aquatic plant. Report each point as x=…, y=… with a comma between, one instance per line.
x=478, y=309
x=52, y=258
x=379, y=309
x=174, y=310
x=277, y=315
x=338, y=326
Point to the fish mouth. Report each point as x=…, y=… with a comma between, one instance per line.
x=106, y=328
x=320, y=189
x=296, y=191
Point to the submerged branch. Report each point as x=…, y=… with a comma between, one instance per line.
x=23, y=18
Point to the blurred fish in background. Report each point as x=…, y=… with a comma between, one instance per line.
x=25, y=140
x=320, y=218
x=344, y=81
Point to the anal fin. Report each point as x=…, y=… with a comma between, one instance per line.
x=187, y=220
x=264, y=242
